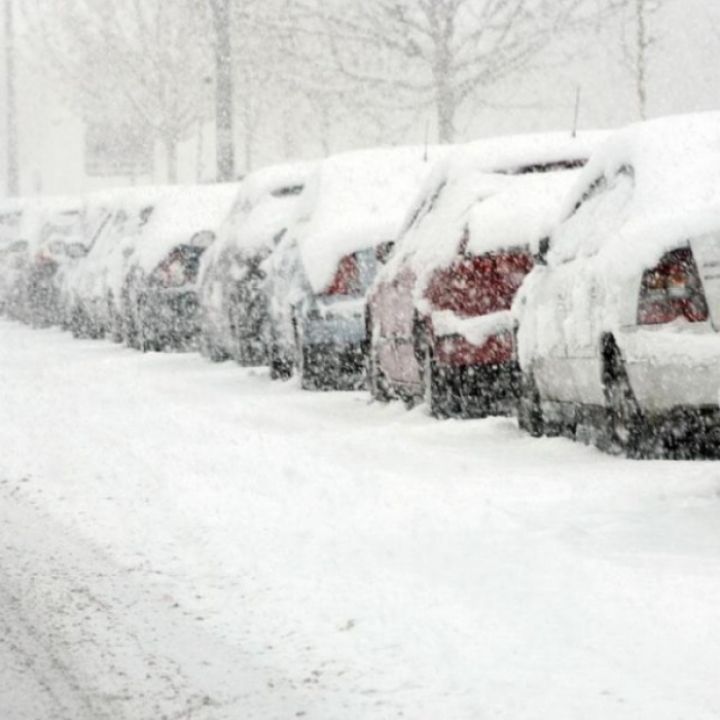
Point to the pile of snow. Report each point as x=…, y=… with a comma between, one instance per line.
x=266, y=201
x=665, y=180
x=194, y=541
x=357, y=200
x=180, y=214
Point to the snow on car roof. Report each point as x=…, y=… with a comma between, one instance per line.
x=265, y=199
x=357, y=200
x=665, y=175
x=265, y=204
x=505, y=191
x=180, y=213
x=49, y=214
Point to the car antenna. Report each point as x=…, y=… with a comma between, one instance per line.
x=577, y=110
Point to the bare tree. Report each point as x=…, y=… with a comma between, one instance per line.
x=222, y=17
x=141, y=62
x=441, y=54
x=637, y=44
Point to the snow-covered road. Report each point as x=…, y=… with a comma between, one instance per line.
x=183, y=540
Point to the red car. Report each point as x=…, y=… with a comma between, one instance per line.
x=438, y=315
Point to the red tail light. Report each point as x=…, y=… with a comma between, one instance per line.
x=180, y=268
x=672, y=290
x=480, y=285
x=347, y=278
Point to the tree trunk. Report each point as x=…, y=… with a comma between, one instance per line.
x=446, y=109
x=249, y=143
x=171, y=159
x=224, y=132
x=445, y=97
x=641, y=61
x=13, y=171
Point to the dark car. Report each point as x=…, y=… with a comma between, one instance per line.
x=168, y=306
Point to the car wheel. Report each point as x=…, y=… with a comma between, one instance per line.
x=307, y=369
x=624, y=420
x=434, y=390
x=280, y=367
x=530, y=415
x=376, y=380
x=211, y=351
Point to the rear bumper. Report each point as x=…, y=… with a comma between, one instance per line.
x=458, y=351
x=673, y=369
x=687, y=432
x=329, y=365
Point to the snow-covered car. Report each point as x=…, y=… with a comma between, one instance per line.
x=353, y=204
x=13, y=250
x=234, y=312
x=159, y=296
x=618, y=323
x=117, y=218
x=60, y=244
x=438, y=315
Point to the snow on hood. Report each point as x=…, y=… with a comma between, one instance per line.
x=665, y=176
x=480, y=188
x=357, y=200
x=180, y=213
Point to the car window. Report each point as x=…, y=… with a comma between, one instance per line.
x=595, y=218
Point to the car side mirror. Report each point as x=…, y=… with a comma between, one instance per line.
x=543, y=249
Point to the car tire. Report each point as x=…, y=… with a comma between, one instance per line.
x=307, y=370
x=376, y=380
x=624, y=421
x=529, y=409
x=434, y=390
x=211, y=351
x=280, y=367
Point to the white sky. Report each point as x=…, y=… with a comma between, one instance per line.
x=683, y=78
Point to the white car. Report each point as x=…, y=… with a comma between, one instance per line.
x=233, y=305
x=618, y=323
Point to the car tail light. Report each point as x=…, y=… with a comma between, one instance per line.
x=672, y=290
x=180, y=268
x=347, y=278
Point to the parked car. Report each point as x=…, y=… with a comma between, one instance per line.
x=13, y=250
x=353, y=204
x=60, y=243
x=159, y=290
x=97, y=214
x=91, y=289
x=438, y=315
x=618, y=322
x=234, y=312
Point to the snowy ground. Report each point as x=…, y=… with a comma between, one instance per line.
x=183, y=540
